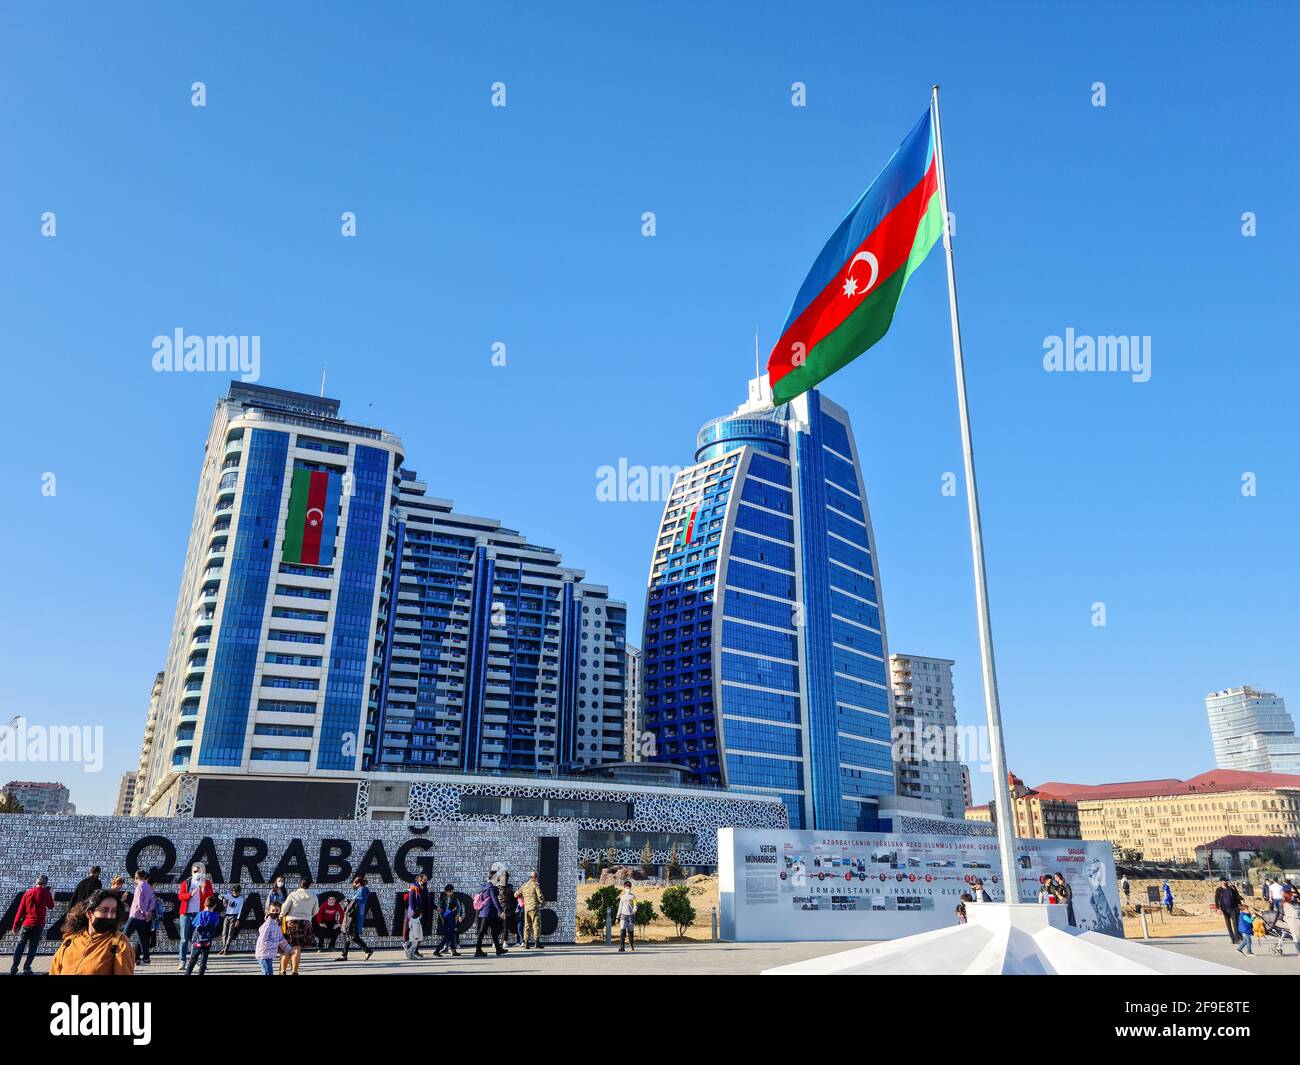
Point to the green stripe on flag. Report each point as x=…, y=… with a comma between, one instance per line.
x=868, y=323
x=928, y=233
x=297, y=520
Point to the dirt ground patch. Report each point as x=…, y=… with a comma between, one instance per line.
x=1192, y=912
x=704, y=897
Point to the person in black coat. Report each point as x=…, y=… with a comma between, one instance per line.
x=87, y=886
x=428, y=907
x=1227, y=901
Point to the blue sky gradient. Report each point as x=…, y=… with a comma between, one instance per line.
x=523, y=225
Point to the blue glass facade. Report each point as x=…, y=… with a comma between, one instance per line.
x=348, y=686
x=419, y=637
x=763, y=657
x=247, y=577
x=501, y=658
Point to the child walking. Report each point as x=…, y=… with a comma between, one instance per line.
x=203, y=933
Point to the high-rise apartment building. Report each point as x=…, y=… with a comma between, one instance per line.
x=633, y=725
x=500, y=657
x=146, y=744
x=1252, y=731
x=125, y=795
x=41, y=796
x=764, y=647
x=334, y=620
x=925, y=721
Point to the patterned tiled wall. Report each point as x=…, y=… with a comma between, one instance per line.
x=700, y=814
x=390, y=852
x=911, y=825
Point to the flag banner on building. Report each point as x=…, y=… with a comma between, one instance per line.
x=847, y=300
x=313, y=518
x=688, y=530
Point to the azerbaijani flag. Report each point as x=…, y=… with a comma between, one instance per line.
x=848, y=298
x=688, y=530
x=313, y=518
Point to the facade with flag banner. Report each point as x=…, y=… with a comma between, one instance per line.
x=335, y=620
x=313, y=517
x=764, y=651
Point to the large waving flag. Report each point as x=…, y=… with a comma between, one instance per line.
x=847, y=300
x=313, y=518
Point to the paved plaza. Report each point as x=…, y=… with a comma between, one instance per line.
x=658, y=959
x=652, y=959
x=1214, y=946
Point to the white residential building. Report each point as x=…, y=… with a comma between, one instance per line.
x=924, y=702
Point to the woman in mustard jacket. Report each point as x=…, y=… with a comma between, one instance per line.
x=92, y=943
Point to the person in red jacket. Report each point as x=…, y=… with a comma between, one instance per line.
x=29, y=923
x=192, y=894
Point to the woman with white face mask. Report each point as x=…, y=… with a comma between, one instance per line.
x=192, y=894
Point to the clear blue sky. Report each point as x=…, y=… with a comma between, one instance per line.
x=522, y=225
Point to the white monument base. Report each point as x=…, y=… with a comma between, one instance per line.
x=1011, y=940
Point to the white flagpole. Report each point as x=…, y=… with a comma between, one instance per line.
x=1003, y=808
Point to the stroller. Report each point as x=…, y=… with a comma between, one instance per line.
x=1275, y=932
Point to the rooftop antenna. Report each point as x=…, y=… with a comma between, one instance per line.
x=758, y=370
x=322, y=382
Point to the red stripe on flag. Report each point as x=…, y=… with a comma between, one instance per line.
x=314, y=522
x=890, y=242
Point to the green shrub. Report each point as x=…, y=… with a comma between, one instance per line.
x=602, y=900
x=676, y=906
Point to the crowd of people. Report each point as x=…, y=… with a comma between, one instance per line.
x=1246, y=924
x=1052, y=889
x=110, y=931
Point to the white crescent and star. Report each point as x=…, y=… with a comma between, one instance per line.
x=313, y=522
x=851, y=283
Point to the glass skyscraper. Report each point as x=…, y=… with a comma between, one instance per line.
x=423, y=639
x=764, y=653
x=1252, y=730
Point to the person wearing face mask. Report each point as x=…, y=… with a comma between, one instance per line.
x=192, y=894
x=92, y=944
x=278, y=892
x=271, y=943
x=232, y=909
x=354, y=917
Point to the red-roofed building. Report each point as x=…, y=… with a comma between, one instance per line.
x=1232, y=852
x=1040, y=813
x=1169, y=819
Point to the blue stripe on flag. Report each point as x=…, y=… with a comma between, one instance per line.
x=330, y=526
x=902, y=173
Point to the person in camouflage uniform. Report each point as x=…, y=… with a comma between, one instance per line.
x=534, y=900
